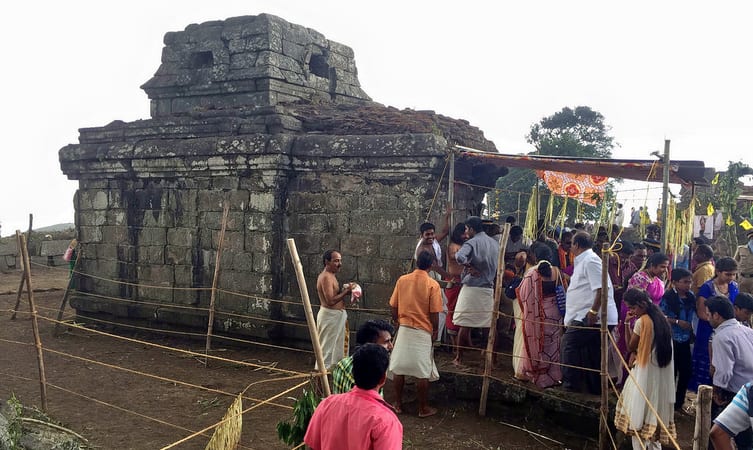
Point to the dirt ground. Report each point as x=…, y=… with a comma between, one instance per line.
x=124, y=394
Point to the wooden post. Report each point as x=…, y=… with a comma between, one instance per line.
x=702, y=418
x=34, y=324
x=451, y=190
x=215, y=279
x=665, y=197
x=604, y=409
x=28, y=234
x=20, y=291
x=495, y=315
x=67, y=293
x=313, y=332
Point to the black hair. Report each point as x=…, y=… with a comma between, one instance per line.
x=583, y=240
x=662, y=331
x=426, y=226
x=656, y=259
x=579, y=226
x=510, y=219
x=700, y=240
x=638, y=246
x=328, y=256
x=369, y=331
x=720, y=305
x=370, y=363
x=726, y=264
x=516, y=230
x=542, y=252
x=425, y=260
x=705, y=251
x=457, y=234
x=566, y=234
x=744, y=301
x=494, y=229
x=545, y=268
x=475, y=223
x=679, y=273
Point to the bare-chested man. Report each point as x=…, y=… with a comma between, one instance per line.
x=331, y=318
x=454, y=272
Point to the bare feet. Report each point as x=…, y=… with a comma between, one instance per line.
x=427, y=412
x=456, y=362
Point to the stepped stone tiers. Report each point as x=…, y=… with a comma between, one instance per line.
x=270, y=117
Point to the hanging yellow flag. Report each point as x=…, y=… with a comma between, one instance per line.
x=746, y=225
x=730, y=222
x=710, y=210
x=716, y=179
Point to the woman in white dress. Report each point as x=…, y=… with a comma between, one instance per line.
x=652, y=376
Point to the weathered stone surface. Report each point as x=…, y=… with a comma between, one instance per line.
x=269, y=118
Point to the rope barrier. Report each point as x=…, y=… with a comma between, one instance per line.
x=157, y=377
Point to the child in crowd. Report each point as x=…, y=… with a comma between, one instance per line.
x=744, y=308
x=678, y=304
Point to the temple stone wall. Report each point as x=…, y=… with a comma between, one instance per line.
x=328, y=167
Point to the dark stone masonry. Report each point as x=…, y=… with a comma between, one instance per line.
x=270, y=117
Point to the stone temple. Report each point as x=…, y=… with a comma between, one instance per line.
x=270, y=117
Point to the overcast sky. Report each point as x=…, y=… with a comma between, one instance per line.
x=655, y=70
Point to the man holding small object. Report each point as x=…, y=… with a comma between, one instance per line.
x=330, y=321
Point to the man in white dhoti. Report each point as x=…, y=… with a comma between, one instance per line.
x=415, y=303
x=475, y=304
x=330, y=321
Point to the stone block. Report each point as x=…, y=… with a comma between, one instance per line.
x=158, y=218
x=377, y=295
x=152, y=254
x=178, y=255
x=116, y=217
x=213, y=220
x=379, y=271
x=88, y=234
x=360, y=245
x=311, y=223
x=378, y=202
x=107, y=251
x=155, y=294
x=256, y=221
x=397, y=247
x=115, y=234
x=209, y=200
x=262, y=263
x=262, y=202
x=152, y=236
x=243, y=261
x=234, y=240
x=92, y=218
x=184, y=237
x=224, y=182
x=380, y=223
x=126, y=252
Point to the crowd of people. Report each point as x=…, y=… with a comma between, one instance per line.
x=677, y=323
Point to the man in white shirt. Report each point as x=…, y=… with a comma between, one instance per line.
x=619, y=216
x=581, y=342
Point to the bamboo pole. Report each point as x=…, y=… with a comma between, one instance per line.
x=34, y=324
x=67, y=293
x=20, y=291
x=495, y=315
x=215, y=279
x=309, y=315
x=665, y=197
x=702, y=418
x=604, y=407
x=451, y=191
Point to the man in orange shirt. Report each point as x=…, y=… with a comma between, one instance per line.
x=416, y=303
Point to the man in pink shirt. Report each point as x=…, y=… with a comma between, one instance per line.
x=359, y=419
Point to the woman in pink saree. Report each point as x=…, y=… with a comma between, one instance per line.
x=541, y=325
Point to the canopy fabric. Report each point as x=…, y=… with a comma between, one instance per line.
x=681, y=172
